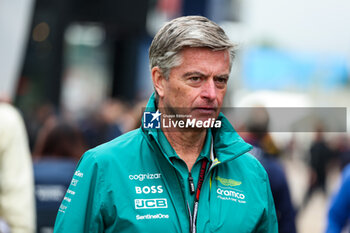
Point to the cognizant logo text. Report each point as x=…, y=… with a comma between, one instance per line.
x=147, y=176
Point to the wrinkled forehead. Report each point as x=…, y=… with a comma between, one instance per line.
x=204, y=55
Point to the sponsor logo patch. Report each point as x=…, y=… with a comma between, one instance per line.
x=74, y=182
x=149, y=189
x=231, y=194
x=151, y=216
x=155, y=203
x=228, y=182
x=142, y=177
x=79, y=174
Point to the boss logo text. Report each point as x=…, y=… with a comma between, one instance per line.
x=147, y=189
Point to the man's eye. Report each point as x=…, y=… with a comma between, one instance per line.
x=195, y=78
x=221, y=80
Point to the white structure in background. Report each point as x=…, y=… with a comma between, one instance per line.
x=87, y=79
x=311, y=26
x=15, y=19
x=314, y=27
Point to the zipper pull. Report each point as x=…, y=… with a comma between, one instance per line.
x=191, y=184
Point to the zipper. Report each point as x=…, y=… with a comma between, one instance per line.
x=157, y=148
x=209, y=173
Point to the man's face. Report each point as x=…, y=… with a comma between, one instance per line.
x=197, y=87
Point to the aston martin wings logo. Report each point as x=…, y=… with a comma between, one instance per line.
x=228, y=182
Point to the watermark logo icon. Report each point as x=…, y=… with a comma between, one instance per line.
x=151, y=120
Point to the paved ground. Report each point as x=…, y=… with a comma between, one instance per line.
x=312, y=219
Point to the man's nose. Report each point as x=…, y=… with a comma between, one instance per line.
x=209, y=90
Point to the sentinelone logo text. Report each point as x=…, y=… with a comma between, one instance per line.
x=152, y=120
x=150, y=216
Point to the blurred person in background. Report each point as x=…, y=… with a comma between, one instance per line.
x=135, y=115
x=266, y=151
x=320, y=155
x=343, y=150
x=56, y=153
x=105, y=124
x=35, y=119
x=339, y=210
x=17, y=204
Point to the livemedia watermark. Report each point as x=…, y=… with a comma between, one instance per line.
x=250, y=119
x=157, y=120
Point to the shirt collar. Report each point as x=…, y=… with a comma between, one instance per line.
x=171, y=153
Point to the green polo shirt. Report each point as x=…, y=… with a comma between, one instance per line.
x=181, y=167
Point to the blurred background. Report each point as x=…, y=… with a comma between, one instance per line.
x=85, y=63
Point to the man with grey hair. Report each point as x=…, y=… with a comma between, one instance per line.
x=185, y=169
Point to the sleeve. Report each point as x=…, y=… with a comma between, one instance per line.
x=285, y=209
x=280, y=191
x=17, y=203
x=80, y=210
x=268, y=222
x=339, y=210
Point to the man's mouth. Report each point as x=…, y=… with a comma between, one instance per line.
x=206, y=110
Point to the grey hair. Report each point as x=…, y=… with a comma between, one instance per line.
x=182, y=32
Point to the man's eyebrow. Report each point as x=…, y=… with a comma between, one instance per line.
x=194, y=73
x=226, y=76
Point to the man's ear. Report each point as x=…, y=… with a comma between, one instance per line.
x=158, y=80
